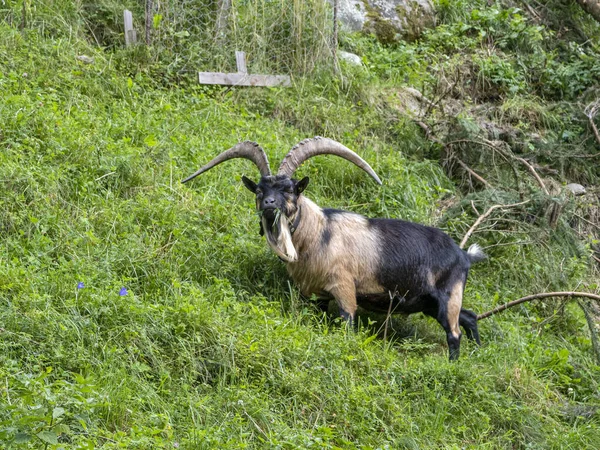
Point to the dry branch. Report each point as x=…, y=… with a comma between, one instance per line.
x=485, y=216
x=472, y=172
x=495, y=147
x=535, y=297
x=590, y=111
x=533, y=172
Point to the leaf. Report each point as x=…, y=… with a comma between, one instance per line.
x=57, y=412
x=61, y=428
x=369, y=340
x=151, y=141
x=48, y=437
x=21, y=438
x=156, y=20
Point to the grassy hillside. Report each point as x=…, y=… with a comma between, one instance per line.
x=136, y=312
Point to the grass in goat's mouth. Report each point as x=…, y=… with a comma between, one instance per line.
x=272, y=221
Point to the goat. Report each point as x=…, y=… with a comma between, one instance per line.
x=356, y=260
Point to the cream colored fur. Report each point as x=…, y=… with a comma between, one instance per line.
x=346, y=266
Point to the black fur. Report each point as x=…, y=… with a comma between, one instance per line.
x=411, y=255
x=329, y=214
x=326, y=237
x=410, y=251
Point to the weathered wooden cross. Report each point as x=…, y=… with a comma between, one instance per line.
x=242, y=77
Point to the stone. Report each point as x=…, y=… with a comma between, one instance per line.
x=350, y=58
x=85, y=59
x=389, y=20
x=576, y=189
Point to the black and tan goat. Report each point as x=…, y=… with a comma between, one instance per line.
x=356, y=260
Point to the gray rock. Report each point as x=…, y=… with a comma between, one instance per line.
x=352, y=14
x=576, y=189
x=85, y=59
x=350, y=58
x=389, y=20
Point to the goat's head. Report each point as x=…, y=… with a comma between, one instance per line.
x=277, y=195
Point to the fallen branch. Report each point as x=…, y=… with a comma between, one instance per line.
x=533, y=172
x=472, y=172
x=428, y=133
x=595, y=129
x=484, y=216
x=495, y=147
x=535, y=297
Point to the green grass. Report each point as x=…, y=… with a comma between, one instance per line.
x=212, y=347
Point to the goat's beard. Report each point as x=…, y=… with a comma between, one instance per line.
x=276, y=226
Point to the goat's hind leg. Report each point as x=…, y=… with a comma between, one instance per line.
x=439, y=309
x=448, y=315
x=468, y=320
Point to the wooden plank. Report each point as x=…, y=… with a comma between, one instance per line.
x=240, y=61
x=130, y=37
x=149, y=19
x=242, y=79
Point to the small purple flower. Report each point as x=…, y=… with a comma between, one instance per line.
x=123, y=291
x=176, y=444
x=80, y=285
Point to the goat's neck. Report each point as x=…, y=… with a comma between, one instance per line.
x=310, y=227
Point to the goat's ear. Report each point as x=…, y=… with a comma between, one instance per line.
x=250, y=185
x=301, y=185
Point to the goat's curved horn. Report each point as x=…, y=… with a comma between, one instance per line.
x=248, y=150
x=321, y=146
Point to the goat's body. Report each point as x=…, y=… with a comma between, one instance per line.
x=372, y=262
x=381, y=264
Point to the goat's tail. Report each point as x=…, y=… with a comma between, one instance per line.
x=475, y=253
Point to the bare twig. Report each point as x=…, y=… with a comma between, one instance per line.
x=523, y=161
x=595, y=155
x=428, y=133
x=536, y=297
x=485, y=216
x=587, y=221
x=387, y=318
x=533, y=172
x=472, y=172
x=532, y=11
x=590, y=111
x=595, y=129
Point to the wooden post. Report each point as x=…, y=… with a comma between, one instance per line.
x=335, y=35
x=223, y=7
x=130, y=37
x=240, y=61
x=149, y=17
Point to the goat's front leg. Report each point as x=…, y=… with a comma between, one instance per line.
x=344, y=293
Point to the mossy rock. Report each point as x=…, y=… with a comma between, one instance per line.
x=392, y=20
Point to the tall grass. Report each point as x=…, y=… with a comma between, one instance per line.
x=211, y=345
